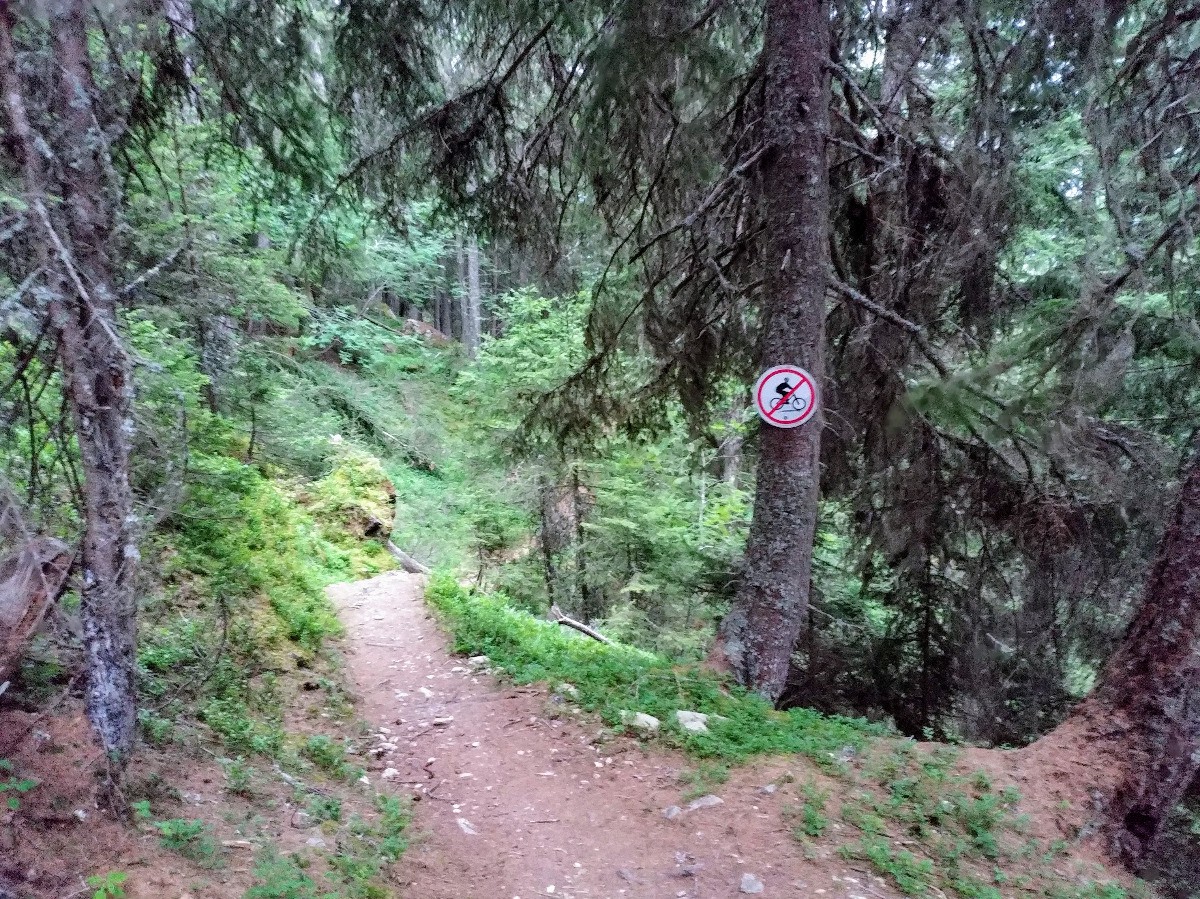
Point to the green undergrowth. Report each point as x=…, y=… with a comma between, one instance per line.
x=352, y=867
x=611, y=679
x=914, y=817
x=353, y=507
x=240, y=604
x=902, y=810
x=393, y=393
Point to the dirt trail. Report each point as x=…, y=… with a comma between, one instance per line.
x=515, y=803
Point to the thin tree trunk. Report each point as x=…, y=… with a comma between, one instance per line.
x=1144, y=715
x=756, y=638
x=472, y=300
x=461, y=255
x=74, y=242
x=587, y=608
x=545, y=503
x=730, y=449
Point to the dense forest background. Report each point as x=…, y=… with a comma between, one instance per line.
x=513, y=258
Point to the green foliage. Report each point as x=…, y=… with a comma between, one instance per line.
x=11, y=784
x=809, y=819
x=353, y=507
x=328, y=755
x=355, y=868
x=615, y=678
x=282, y=877
x=912, y=874
x=191, y=839
x=705, y=778
x=238, y=778
x=389, y=832
x=110, y=885
x=325, y=808
x=247, y=538
x=155, y=729
x=244, y=567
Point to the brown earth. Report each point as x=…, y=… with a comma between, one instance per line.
x=520, y=797
x=517, y=793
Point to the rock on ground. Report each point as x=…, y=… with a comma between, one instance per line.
x=640, y=721
x=750, y=884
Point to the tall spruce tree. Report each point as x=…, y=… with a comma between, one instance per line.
x=758, y=634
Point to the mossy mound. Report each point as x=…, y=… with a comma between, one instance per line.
x=356, y=494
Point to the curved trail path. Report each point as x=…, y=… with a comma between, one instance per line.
x=516, y=803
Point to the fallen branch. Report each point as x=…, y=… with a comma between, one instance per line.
x=557, y=615
x=407, y=562
x=298, y=784
x=153, y=272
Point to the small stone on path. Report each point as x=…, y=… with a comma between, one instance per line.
x=467, y=827
x=750, y=884
x=705, y=802
x=671, y=812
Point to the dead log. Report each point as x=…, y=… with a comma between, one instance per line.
x=407, y=562
x=557, y=615
x=31, y=581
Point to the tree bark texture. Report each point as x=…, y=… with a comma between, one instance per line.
x=73, y=237
x=1153, y=682
x=756, y=638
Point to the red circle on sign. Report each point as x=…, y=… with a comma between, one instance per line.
x=767, y=411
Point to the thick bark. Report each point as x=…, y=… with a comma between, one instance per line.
x=1153, y=683
x=756, y=638
x=73, y=241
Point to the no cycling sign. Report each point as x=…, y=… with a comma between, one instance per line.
x=786, y=396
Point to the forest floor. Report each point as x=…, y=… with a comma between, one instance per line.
x=514, y=791
x=519, y=797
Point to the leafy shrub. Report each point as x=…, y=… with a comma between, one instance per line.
x=280, y=877
x=238, y=779
x=191, y=839
x=110, y=885
x=10, y=783
x=327, y=755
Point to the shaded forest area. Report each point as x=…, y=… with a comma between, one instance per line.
x=522, y=262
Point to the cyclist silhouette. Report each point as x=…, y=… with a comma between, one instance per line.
x=795, y=401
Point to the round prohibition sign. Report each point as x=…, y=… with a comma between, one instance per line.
x=786, y=396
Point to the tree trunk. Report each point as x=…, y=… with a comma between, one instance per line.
x=756, y=638
x=1148, y=698
x=588, y=609
x=73, y=243
x=472, y=300
x=730, y=448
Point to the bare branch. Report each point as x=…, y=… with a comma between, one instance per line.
x=917, y=332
